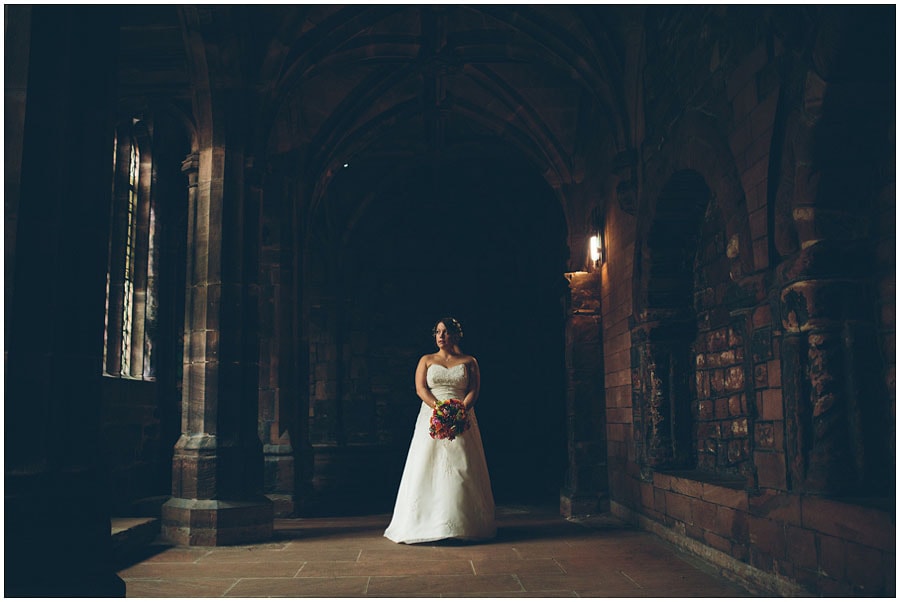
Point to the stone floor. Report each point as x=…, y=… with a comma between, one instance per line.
x=536, y=554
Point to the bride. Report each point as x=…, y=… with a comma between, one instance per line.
x=445, y=491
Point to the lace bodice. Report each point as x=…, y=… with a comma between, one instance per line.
x=448, y=383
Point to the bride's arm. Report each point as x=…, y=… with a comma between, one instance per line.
x=474, y=383
x=422, y=389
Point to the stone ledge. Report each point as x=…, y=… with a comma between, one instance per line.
x=716, y=489
x=131, y=535
x=727, y=481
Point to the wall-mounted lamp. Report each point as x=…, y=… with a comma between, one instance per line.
x=596, y=247
x=595, y=244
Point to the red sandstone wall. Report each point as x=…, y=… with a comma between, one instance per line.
x=761, y=531
x=617, y=306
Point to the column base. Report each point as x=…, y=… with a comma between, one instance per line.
x=582, y=504
x=283, y=504
x=278, y=477
x=217, y=522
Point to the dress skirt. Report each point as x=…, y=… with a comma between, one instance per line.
x=445, y=491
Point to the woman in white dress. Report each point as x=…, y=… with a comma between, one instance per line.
x=445, y=491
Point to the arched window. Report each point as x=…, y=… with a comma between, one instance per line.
x=131, y=290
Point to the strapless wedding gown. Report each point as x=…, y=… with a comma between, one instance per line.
x=445, y=491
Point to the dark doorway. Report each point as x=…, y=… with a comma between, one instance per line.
x=484, y=241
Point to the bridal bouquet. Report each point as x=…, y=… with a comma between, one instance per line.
x=449, y=420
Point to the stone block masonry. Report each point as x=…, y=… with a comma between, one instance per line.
x=774, y=541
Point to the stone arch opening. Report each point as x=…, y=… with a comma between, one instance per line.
x=482, y=241
x=672, y=242
x=667, y=328
x=402, y=109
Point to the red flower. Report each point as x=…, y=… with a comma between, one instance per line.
x=448, y=420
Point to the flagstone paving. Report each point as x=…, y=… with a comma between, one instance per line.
x=536, y=553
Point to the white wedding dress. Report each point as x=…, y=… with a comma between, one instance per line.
x=445, y=491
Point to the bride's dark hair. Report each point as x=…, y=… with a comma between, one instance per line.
x=452, y=325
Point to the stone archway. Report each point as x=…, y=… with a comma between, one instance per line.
x=373, y=299
x=415, y=92
x=667, y=324
x=694, y=234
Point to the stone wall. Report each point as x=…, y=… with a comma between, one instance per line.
x=748, y=498
x=137, y=449
x=617, y=303
x=773, y=542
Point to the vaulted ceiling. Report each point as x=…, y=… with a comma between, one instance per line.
x=386, y=82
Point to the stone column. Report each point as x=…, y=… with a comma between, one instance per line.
x=277, y=393
x=217, y=465
x=585, y=490
x=836, y=442
x=57, y=506
x=826, y=305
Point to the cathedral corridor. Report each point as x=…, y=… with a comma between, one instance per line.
x=536, y=553
x=665, y=233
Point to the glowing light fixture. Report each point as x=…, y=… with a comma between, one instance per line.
x=595, y=246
